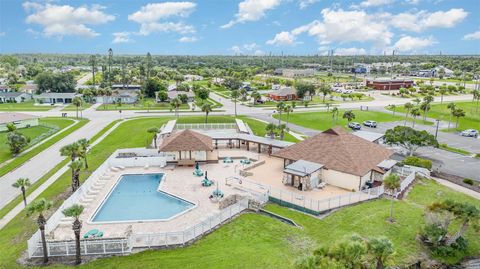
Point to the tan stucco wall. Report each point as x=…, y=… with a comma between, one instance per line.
x=340, y=179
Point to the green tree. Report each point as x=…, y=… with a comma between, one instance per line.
x=150, y=87
x=234, y=94
x=202, y=93
x=83, y=145
x=288, y=109
x=391, y=184
x=425, y=107
x=154, y=131
x=409, y=138
x=74, y=212
x=349, y=115
x=39, y=207
x=17, y=142
x=334, y=115
x=415, y=112
x=408, y=106
x=256, y=96
x=467, y=214
x=175, y=103
x=393, y=108
x=76, y=166
x=77, y=102
x=280, y=109
x=381, y=248
x=22, y=184
x=458, y=113
x=271, y=128
x=476, y=97
x=303, y=88
x=282, y=128
x=442, y=91
x=325, y=90
x=452, y=107
x=11, y=127
x=207, y=108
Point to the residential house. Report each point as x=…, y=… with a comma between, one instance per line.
x=55, y=97
x=295, y=73
x=5, y=88
x=345, y=161
x=30, y=88
x=175, y=94
x=132, y=87
x=14, y=97
x=20, y=120
x=192, y=77
x=123, y=96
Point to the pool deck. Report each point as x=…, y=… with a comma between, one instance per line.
x=182, y=183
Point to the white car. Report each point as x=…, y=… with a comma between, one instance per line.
x=470, y=133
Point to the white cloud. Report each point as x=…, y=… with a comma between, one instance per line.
x=65, y=20
x=350, y=51
x=122, y=37
x=158, y=11
x=410, y=44
x=236, y=49
x=151, y=17
x=422, y=20
x=282, y=39
x=248, y=49
x=252, y=10
x=187, y=39
x=306, y=3
x=259, y=53
x=375, y=3
x=472, y=36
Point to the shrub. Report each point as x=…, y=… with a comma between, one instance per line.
x=468, y=181
x=419, y=162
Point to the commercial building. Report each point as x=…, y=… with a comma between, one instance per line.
x=389, y=84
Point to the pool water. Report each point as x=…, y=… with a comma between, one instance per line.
x=135, y=198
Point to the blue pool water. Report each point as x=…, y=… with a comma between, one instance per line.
x=135, y=198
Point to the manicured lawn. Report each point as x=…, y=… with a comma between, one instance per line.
x=47, y=127
x=74, y=108
x=440, y=111
x=323, y=120
x=25, y=157
x=155, y=106
x=25, y=106
x=258, y=128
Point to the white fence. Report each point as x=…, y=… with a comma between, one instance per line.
x=206, y=126
x=145, y=156
x=182, y=237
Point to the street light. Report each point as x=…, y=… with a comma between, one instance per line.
x=436, y=130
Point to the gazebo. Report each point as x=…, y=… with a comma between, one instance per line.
x=186, y=147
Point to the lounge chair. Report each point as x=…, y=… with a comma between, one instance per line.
x=198, y=172
x=91, y=233
x=99, y=234
x=245, y=161
x=227, y=160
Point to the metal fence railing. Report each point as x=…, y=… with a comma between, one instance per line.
x=206, y=126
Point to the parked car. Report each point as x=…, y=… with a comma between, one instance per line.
x=370, y=123
x=354, y=126
x=470, y=133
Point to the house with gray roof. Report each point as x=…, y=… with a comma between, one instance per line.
x=55, y=97
x=14, y=97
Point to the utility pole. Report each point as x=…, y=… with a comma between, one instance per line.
x=93, y=63
x=110, y=59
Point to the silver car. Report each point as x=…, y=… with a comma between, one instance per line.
x=470, y=133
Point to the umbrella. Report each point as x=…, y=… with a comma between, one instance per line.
x=197, y=166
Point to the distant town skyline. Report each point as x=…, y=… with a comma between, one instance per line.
x=249, y=27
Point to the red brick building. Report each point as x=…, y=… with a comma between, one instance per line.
x=389, y=84
x=283, y=94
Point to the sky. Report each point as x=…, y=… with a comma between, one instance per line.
x=248, y=27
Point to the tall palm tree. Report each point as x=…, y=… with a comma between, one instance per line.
x=391, y=184
x=39, y=207
x=77, y=102
x=393, y=108
x=175, y=103
x=425, y=107
x=408, y=106
x=83, y=145
x=280, y=108
x=442, y=91
x=415, y=112
x=22, y=183
x=282, y=128
x=93, y=62
x=288, y=109
x=75, y=211
x=382, y=249
x=476, y=96
x=256, y=96
x=234, y=95
x=270, y=128
x=349, y=115
x=207, y=108
x=334, y=115
x=458, y=113
x=71, y=150
x=154, y=131
x=76, y=166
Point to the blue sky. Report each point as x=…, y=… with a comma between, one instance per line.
x=253, y=27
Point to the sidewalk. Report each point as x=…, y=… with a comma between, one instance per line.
x=458, y=188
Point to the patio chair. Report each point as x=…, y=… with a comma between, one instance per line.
x=227, y=160
x=91, y=233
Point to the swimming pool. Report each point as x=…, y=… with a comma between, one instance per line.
x=136, y=198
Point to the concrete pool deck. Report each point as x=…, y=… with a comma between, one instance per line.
x=182, y=183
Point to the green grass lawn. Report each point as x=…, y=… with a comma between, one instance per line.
x=27, y=156
x=251, y=240
x=440, y=111
x=140, y=106
x=323, y=120
x=74, y=108
x=46, y=128
x=258, y=128
x=25, y=106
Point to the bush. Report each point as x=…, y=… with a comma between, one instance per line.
x=468, y=181
x=419, y=162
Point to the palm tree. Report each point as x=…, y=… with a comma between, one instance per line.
x=288, y=109
x=328, y=104
x=154, y=131
x=175, y=104
x=425, y=107
x=71, y=150
x=256, y=96
x=75, y=211
x=280, y=108
x=77, y=102
x=39, y=207
x=408, y=106
x=476, y=96
x=415, y=112
x=93, y=62
x=207, y=108
x=334, y=113
x=392, y=184
x=458, y=113
x=452, y=107
x=282, y=128
x=22, y=183
x=270, y=128
x=148, y=104
x=108, y=93
x=325, y=90
x=442, y=91
x=416, y=101
x=83, y=145
x=234, y=95
x=393, y=108
x=349, y=115
x=76, y=166
x=382, y=249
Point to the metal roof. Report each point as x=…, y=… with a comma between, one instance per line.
x=302, y=168
x=369, y=136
